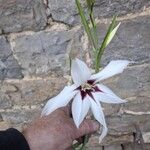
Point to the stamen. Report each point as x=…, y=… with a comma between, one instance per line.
x=88, y=88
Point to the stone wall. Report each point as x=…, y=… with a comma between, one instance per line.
x=36, y=37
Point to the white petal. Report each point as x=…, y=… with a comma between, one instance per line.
x=85, y=108
x=80, y=72
x=103, y=133
x=107, y=96
x=76, y=109
x=113, y=68
x=99, y=116
x=60, y=100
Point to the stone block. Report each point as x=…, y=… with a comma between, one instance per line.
x=9, y=67
x=5, y=101
x=63, y=11
x=66, y=11
x=130, y=42
x=47, y=52
x=20, y=116
x=19, y=15
x=130, y=146
x=109, y=140
x=113, y=147
x=109, y=8
x=31, y=92
x=132, y=85
x=4, y=125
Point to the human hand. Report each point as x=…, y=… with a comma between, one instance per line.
x=56, y=131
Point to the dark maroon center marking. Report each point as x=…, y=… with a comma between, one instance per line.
x=91, y=82
x=85, y=92
x=97, y=89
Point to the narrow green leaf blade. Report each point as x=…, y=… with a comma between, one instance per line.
x=111, y=35
x=83, y=18
x=85, y=23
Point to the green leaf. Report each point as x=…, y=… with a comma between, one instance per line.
x=109, y=36
x=85, y=23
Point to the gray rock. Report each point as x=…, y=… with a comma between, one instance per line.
x=9, y=67
x=109, y=8
x=63, y=11
x=46, y=52
x=32, y=92
x=130, y=146
x=66, y=11
x=1, y=119
x=5, y=101
x=18, y=116
x=19, y=15
x=131, y=41
x=113, y=147
x=133, y=82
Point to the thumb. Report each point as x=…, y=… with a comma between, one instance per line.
x=87, y=127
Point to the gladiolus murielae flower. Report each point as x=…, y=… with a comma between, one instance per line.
x=87, y=92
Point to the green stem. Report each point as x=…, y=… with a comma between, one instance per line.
x=85, y=24
x=76, y=145
x=86, y=139
x=94, y=29
x=97, y=62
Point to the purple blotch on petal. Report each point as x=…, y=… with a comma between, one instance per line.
x=91, y=82
x=97, y=89
x=83, y=94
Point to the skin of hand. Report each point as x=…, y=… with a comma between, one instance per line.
x=56, y=131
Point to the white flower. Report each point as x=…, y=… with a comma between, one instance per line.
x=87, y=93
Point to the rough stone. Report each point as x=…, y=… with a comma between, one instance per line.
x=65, y=7
x=4, y=125
x=5, y=101
x=133, y=82
x=126, y=146
x=113, y=147
x=19, y=15
x=110, y=140
x=133, y=85
x=33, y=91
x=130, y=42
x=130, y=146
x=146, y=137
x=1, y=119
x=66, y=11
x=18, y=116
x=109, y=8
x=46, y=53
x=9, y=67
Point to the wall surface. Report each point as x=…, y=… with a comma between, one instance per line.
x=36, y=37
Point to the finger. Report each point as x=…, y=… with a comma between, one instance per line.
x=70, y=148
x=66, y=110
x=87, y=127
